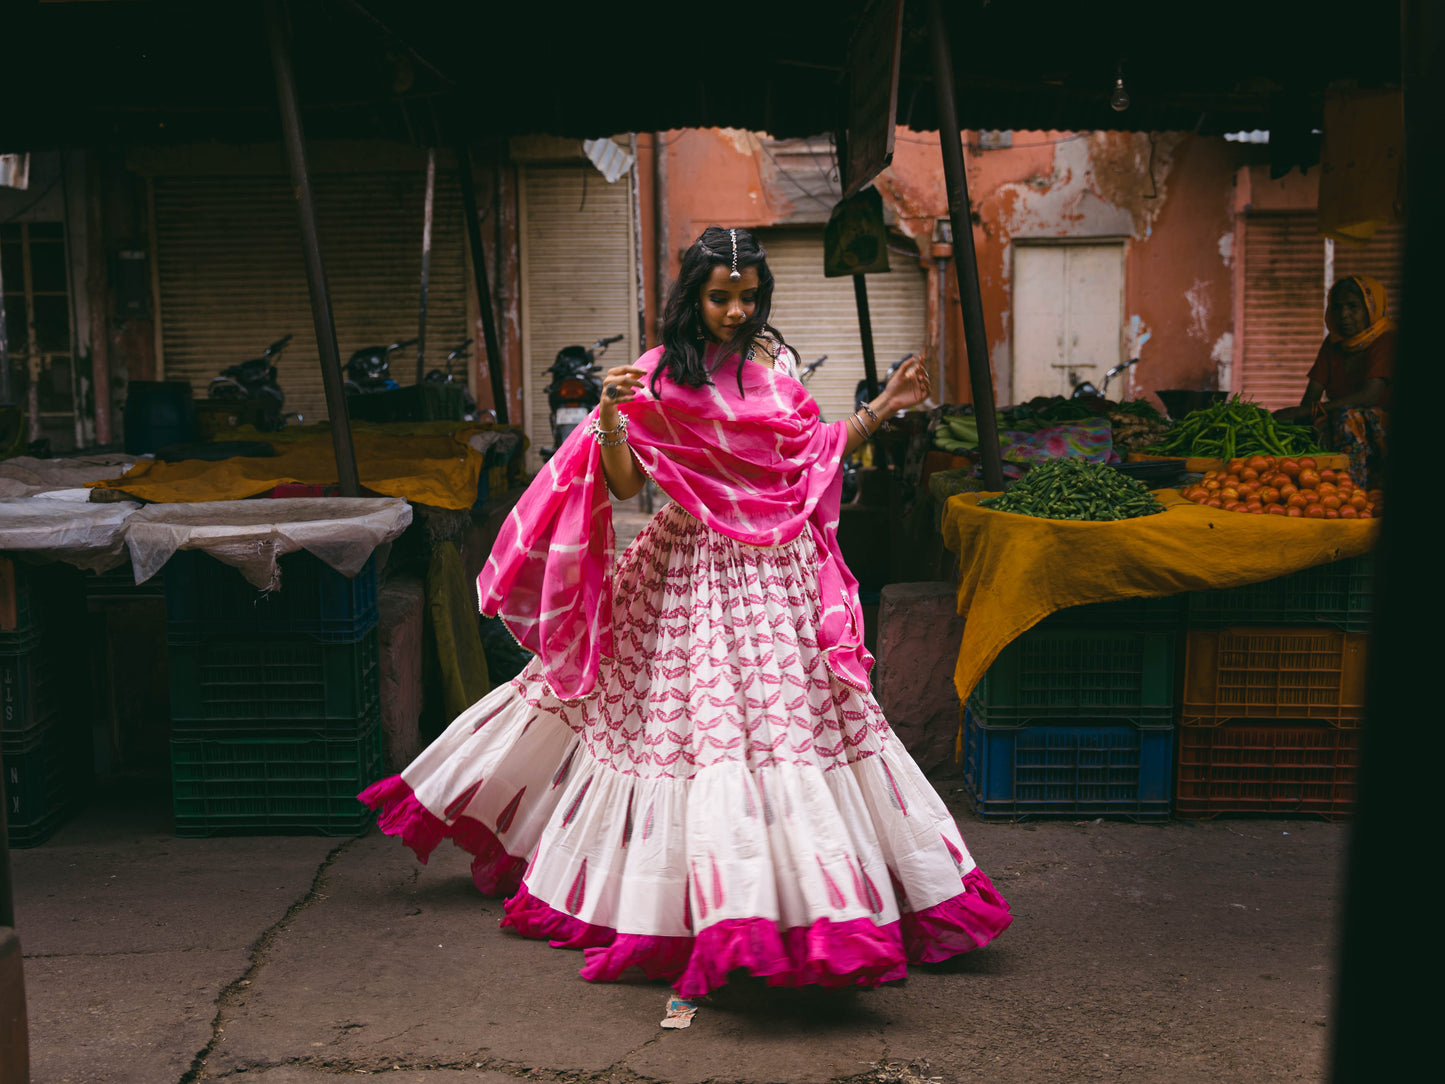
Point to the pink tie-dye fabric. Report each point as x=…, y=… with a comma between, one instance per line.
x=760, y=467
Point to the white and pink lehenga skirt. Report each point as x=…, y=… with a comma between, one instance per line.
x=720, y=801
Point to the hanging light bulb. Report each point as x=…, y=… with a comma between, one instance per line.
x=1119, y=100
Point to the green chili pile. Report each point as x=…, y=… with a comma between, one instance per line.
x=1075, y=489
x=1232, y=429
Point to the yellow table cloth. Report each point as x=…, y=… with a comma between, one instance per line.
x=424, y=462
x=1015, y=570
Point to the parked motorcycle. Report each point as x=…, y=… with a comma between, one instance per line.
x=369, y=369
x=1084, y=389
x=449, y=377
x=575, y=388
x=255, y=379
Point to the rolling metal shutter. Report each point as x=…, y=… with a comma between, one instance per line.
x=232, y=276
x=578, y=278
x=1382, y=258
x=818, y=315
x=1284, y=305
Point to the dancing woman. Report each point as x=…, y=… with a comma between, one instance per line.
x=692, y=777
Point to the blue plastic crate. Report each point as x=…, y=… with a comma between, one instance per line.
x=1074, y=770
x=207, y=598
x=270, y=786
x=1340, y=594
x=1051, y=673
x=297, y=683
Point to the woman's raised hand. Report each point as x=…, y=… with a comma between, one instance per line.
x=907, y=387
x=619, y=385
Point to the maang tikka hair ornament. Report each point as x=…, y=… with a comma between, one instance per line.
x=736, y=275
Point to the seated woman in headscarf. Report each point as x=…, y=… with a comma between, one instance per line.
x=1348, y=394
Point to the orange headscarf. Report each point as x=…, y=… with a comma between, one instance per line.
x=1376, y=308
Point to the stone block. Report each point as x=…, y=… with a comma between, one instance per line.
x=919, y=632
x=401, y=604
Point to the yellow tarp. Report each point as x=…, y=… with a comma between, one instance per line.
x=424, y=462
x=1016, y=570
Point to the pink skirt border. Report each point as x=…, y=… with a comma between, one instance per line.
x=853, y=953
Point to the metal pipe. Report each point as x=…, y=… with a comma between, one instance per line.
x=495, y=371
x=6, y=392
x=346, y=474
x=428, y=206
x=865, y=333
x=965, y=259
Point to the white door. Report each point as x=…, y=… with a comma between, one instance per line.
x=1068, y=303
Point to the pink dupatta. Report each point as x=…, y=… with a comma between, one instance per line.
x=761, y=468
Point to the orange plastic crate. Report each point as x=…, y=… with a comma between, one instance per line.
x=1270, y=768
x=1273, y=673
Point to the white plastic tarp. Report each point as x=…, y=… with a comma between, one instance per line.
x=89, y=536
x=26, y=476
x=250, y=535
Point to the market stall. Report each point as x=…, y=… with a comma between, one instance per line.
x=1188, y=651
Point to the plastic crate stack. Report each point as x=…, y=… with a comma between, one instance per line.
x=43, y=740
x=1273, y=693
x=275, y=698
x=1076, y=716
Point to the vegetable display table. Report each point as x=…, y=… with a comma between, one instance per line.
x=1015, y=570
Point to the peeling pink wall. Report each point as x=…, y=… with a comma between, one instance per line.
x=1175, y=215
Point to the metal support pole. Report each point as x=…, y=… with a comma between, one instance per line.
x=346, y=475
x=484, y=289
x=865, y=332
x=965, y=260
x=6, y=392
x=426, y=221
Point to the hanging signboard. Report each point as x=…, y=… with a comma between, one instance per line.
x=855, y=241
x=872, y=94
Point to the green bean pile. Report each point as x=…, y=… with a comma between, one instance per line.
x=1232, y=429
x=1075, y=489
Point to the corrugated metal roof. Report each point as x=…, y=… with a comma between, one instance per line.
x=167, y=71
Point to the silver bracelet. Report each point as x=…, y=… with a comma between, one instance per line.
x=866, y=409
x=862, y=431
x=619, y=434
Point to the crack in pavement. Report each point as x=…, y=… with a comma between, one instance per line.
x=258, y=955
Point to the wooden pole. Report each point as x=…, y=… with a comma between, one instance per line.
x=495, y=368
x=428, y=206
x=965, y=259
x=865, y=332
x=346, y=475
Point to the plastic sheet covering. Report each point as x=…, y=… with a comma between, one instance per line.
x=25, y=476
x=251, y=535
x=89, y=536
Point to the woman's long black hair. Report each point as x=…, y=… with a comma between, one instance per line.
x=684, y=337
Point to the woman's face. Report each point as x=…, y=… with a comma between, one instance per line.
x=1347, y=309
x=725, y=304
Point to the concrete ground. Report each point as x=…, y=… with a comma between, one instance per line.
x=1177, y=952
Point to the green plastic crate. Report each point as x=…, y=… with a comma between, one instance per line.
x=274, y=786
x=1165, y=614
x=1079, y=674
x=30, y=690
x=44, y=772
x=1340, y=594
x=241, y=683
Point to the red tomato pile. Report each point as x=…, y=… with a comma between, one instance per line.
x=1264, y=485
